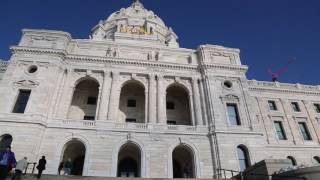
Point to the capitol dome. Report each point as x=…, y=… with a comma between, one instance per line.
x=135, y=22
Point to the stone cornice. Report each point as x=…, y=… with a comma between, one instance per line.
x=241, y=68
x=37, y=50
x=47, y=32
x=131, y=62
x=115, y=60
x=106, y=43
x=287, y=88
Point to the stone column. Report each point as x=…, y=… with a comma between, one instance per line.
x=312, y=117
x=191, y=108
x=161, y=96
x=152, y=99
x=66, y=96
x=114, y=97
x=146, y=106
x=196, y=100
x=104, y=101
x=294, y=129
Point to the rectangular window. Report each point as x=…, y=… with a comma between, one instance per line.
x=131, y=103
x=88, y=118
x=170, y=105
x=22, y=101
x=272, y=105
x=317, y=107
x=131, y=120
x=233, y=114
x=279, y=130
x=92, y=100
x=295, y=106
x=304, y=131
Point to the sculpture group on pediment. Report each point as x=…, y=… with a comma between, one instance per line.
x=140, y=30
x=112, y=52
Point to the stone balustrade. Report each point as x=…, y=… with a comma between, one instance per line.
x=100, y=125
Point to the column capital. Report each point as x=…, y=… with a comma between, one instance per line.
x=160, y=76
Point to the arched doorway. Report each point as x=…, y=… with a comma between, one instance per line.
x=5, y=141
x=243, y=157
x=84, y=100
x=178, y=106
x=183, y=162
x=293, y=160
x=76, y=151
x=129, y=161
x=132, y=102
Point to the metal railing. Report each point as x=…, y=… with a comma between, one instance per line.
x=33, y=165
x=228, y=174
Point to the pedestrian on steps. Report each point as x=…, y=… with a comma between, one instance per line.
x=41, y=166
x=67, y=167
x=21, y=166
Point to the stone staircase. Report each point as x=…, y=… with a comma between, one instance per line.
x=56, y=177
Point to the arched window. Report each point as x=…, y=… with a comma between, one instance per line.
x=178, y=106
x=243, y=157
x=293, y=160
x=316, y=160
x=84, y=101
x=132, y=103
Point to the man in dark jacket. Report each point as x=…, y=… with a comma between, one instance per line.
x=41, y=166
x=7, y=161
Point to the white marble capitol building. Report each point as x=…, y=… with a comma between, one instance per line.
x=130, y=102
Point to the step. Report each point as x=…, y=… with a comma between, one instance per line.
x=57, y=177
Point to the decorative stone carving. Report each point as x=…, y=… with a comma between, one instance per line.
x=26, y=83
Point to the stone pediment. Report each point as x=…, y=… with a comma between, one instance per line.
x=26, y=83
x=229, y=97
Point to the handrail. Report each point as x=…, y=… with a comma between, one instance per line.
x=34, y=165
x=254, y=176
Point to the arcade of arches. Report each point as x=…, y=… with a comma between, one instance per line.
x=75, y=150
x=129, y=161
x=183, y=162
x=84, y=101
x=133, y=105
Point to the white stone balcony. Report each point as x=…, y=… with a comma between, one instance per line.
x=102, y=125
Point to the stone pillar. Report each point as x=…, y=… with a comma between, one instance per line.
x=104, y=101
x=114, y=97
x=191, y=108
x=161, y=96
x=294, y=129
x=66, y=96
x=146, y=106
x=152, y=99
x=197, y=103
x=312, y=117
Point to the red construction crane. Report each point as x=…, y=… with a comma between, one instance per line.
x=277, y=74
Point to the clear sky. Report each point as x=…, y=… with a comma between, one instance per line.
x=268, y=32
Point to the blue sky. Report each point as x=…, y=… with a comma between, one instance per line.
x=268, y=32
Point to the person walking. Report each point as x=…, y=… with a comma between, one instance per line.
x=21, y=166
x=67, y=167
x=7, y=161
x=60, y=167
x=41, y=166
